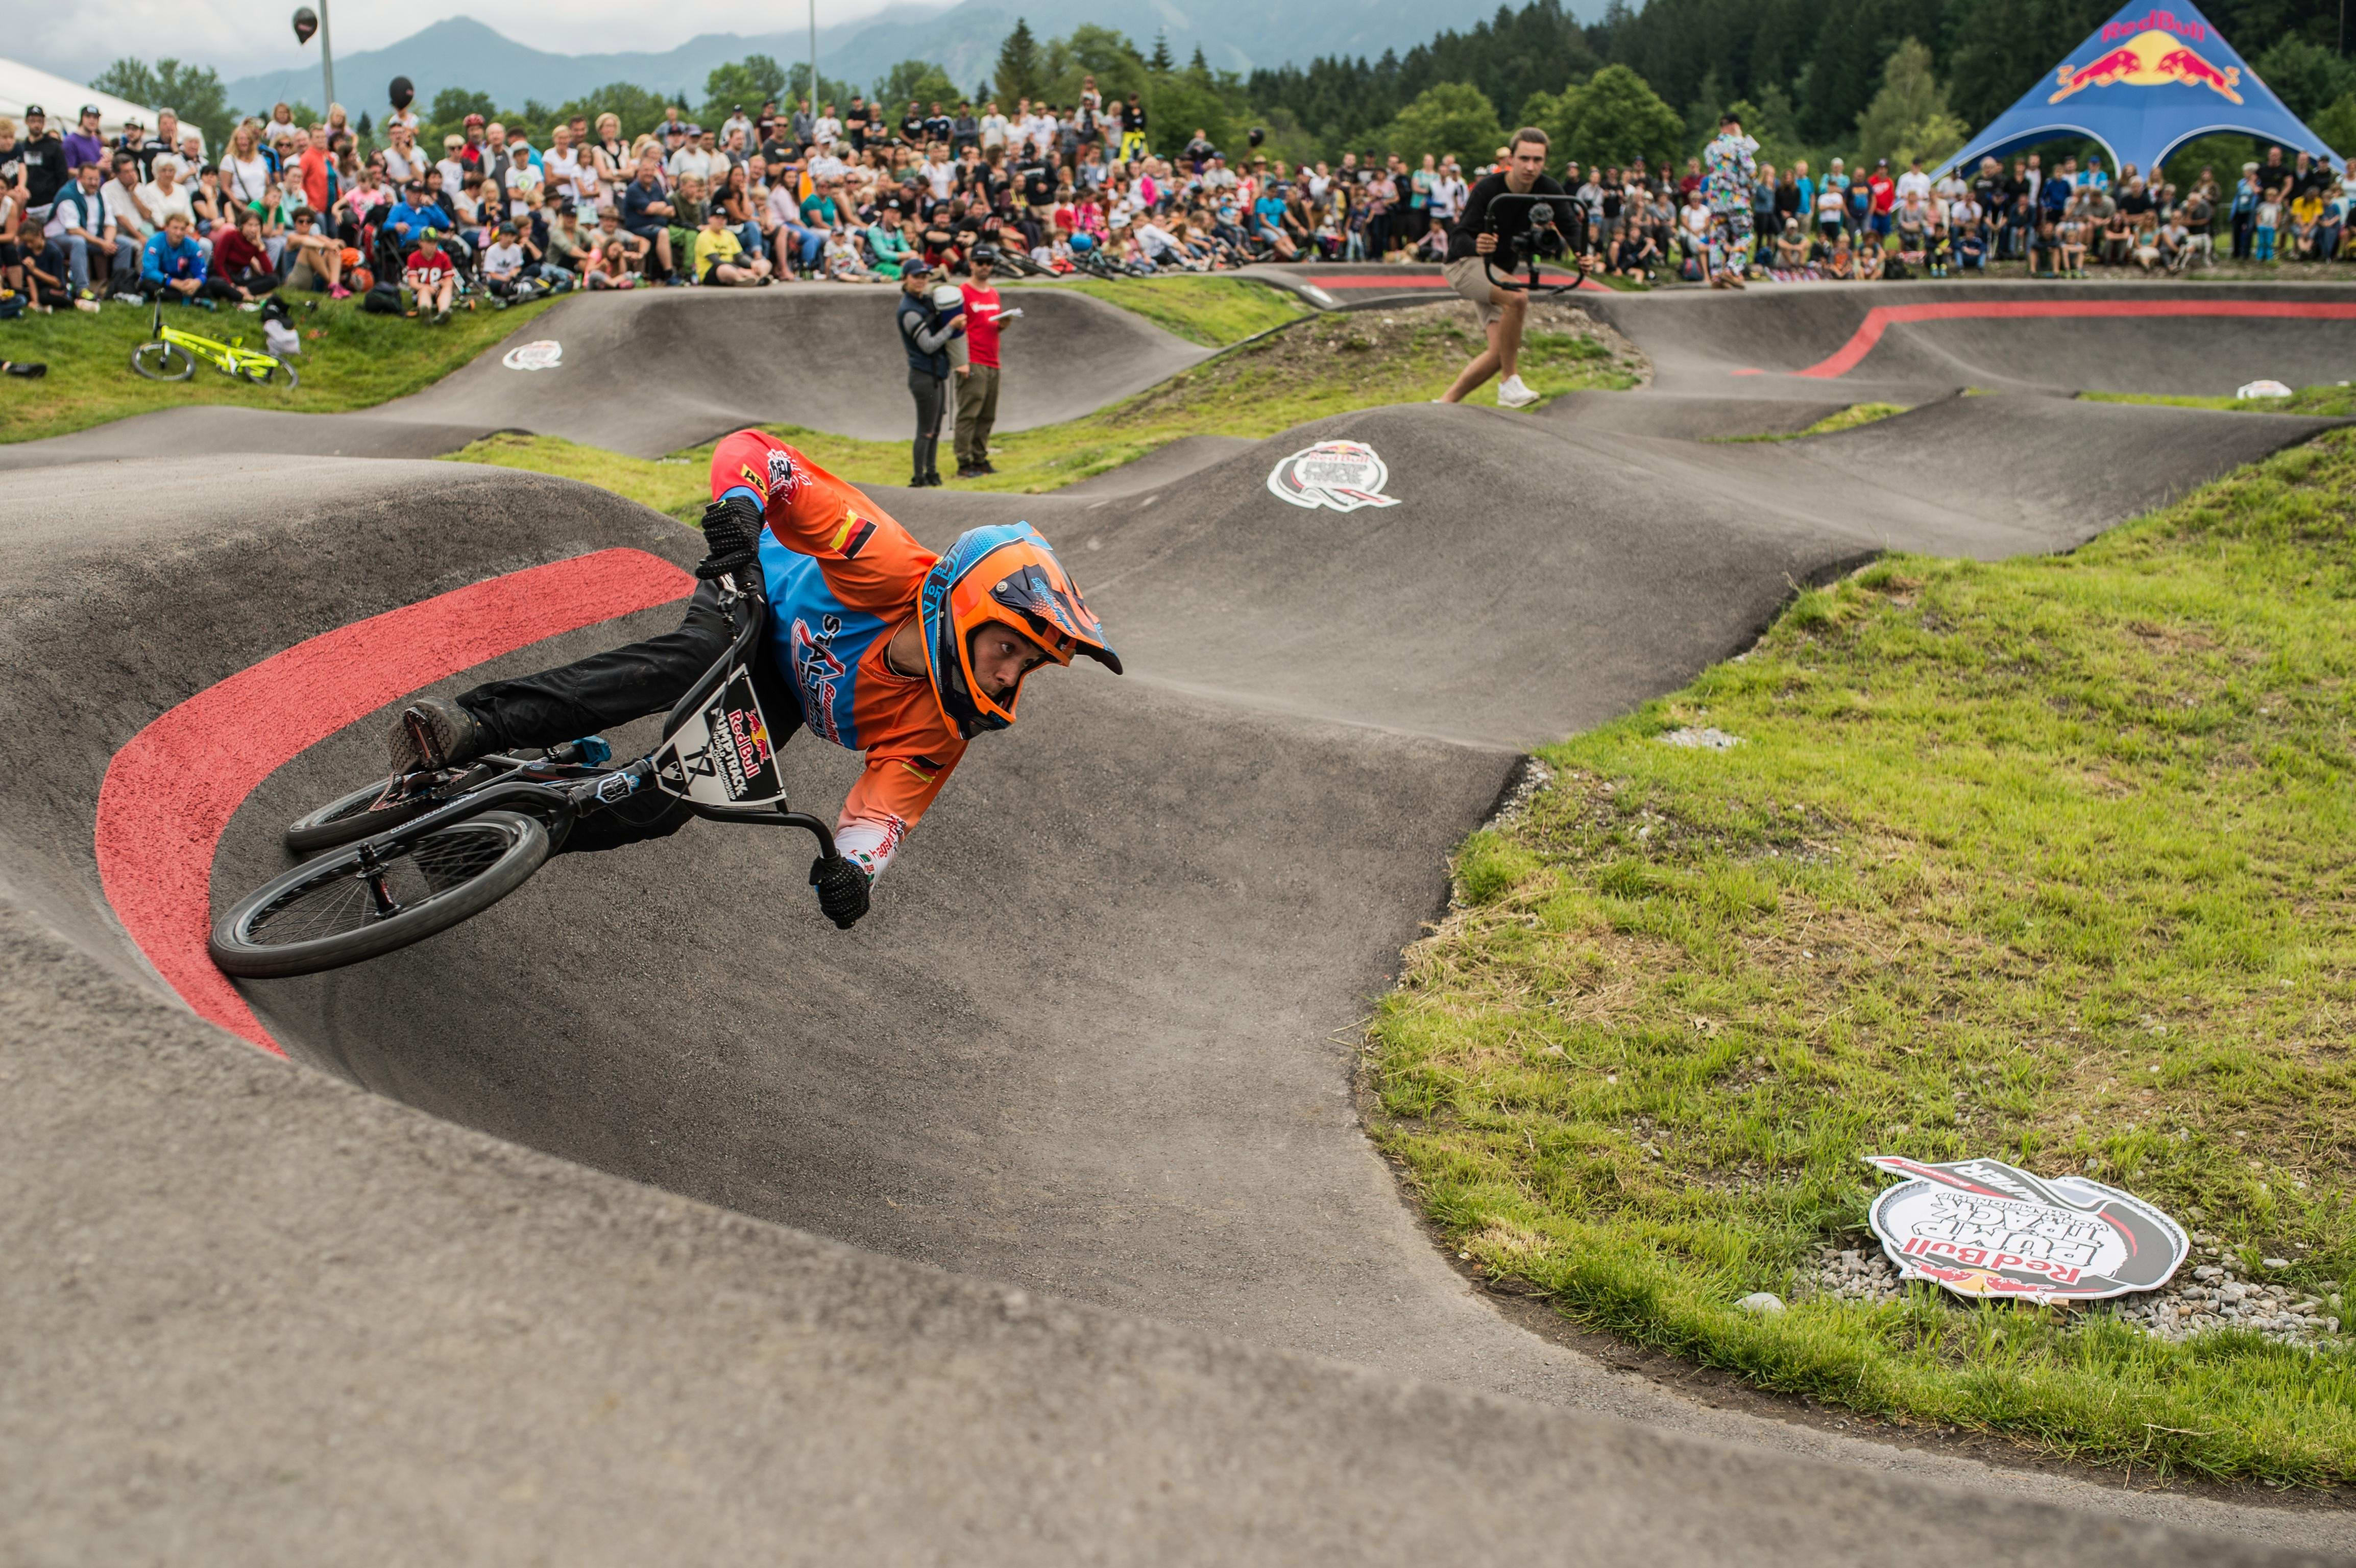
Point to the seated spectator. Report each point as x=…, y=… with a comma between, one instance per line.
x=1972, y=250
x=133, y=225
x=433, y=276
x=719, y=258
x=888, y=246
x=616, y=258
x=314, y=261
x=241, y=260
x=503, y=262
x=2070, y=243
x=1869, y=255
x=2116, y=236
x=83, y=235
x=568, y=247
x=1791, y=253
x=842, y=261
x=646, y=212
x=1842, y=264
x=2147, y=250
x=173, y=269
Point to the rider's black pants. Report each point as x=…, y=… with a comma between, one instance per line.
x=605, y=689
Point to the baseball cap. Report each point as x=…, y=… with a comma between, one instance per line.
x=33, y=109
x=915, y=267
x=88, y=109
x=428, y=236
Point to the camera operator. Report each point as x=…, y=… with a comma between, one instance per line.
x=1474, y=246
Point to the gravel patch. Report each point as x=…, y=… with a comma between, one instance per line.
x=2202, y=1298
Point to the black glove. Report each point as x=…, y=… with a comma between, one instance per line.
x=841, y=890
x=732, y=534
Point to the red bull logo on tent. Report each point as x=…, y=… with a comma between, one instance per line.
x=2153, y=57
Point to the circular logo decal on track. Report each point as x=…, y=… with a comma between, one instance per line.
x=1342, y=475
x=544, y=355
x=1985, y=1229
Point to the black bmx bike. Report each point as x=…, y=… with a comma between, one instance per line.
x=398, y=860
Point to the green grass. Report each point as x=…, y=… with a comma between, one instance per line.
x=1326, y=365
x=2048, y=861
x=1848, y=418
x=2336, y=401
x=1213, y=311
x=356, y=361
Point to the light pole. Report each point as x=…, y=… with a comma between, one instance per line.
x=327, y=61
x=813, y=82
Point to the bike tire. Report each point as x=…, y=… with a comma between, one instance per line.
x=163, y=362
x=280, y=375
x=348, y=819
x=304, y=921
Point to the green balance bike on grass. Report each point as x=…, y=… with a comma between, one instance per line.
x=172, y=355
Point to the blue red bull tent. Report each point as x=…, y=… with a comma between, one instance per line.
x=2148, y=81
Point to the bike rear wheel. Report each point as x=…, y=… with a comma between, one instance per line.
x=332, y=912
x=277, y=373
x=349, y=818
x=162, y=361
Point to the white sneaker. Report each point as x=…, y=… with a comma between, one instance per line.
x=1512, y=394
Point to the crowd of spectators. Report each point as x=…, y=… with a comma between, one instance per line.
x=851, y=192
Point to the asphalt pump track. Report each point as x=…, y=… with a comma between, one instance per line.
x=1033, y=1219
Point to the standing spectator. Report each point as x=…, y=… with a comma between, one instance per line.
x=977, y=397
x=41, y=164
x=1448, y=193
x=2265, y=221
x=1728, y=188
x=1473, y=250
x=925, y=335
x=322, y=181
x=83, y=145
x=404, y=160
x=2246, y=195
x=561, y=167
x=965, y=130
x=1882, y=192
x=244, y=172
x=433, y=277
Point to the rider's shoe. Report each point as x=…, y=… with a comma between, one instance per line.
x=433, y=733
x=1512, y=394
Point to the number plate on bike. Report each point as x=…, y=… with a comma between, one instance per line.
x=721, y=755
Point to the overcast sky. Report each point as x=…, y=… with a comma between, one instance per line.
x=78, y=38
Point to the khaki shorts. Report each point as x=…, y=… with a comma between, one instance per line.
x=1469, y=278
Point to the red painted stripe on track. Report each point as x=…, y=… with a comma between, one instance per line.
x=1880, y=318
x=169, y=793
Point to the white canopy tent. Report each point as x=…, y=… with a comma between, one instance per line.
x=21, y=84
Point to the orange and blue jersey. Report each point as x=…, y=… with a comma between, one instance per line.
x=842, y=577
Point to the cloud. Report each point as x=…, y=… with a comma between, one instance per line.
x=237, y=37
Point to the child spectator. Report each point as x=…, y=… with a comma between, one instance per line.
x=2265, y=220
x=842, y=260
x=433, y=276
x=503, y=262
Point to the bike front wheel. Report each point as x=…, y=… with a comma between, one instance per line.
x=276, y=373
x=342, y=909
x=349, y=818
x=162, y=361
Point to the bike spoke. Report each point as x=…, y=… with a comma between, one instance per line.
x=353, y=896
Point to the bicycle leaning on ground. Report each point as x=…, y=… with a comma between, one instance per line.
x=407, y=858
x=172, y=354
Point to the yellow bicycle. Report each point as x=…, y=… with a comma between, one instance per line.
x=173, y=356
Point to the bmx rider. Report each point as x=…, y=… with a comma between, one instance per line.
x=873, y=641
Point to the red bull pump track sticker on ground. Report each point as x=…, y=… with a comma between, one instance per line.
x=1342, y=475
x=1982, y=1228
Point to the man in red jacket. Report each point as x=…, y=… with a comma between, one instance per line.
x=977, y=388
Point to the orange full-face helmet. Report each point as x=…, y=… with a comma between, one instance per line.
x=1005, y=573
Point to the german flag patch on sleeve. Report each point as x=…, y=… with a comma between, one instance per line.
x=852, y=537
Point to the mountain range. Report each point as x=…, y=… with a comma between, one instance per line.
x=962, y=38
